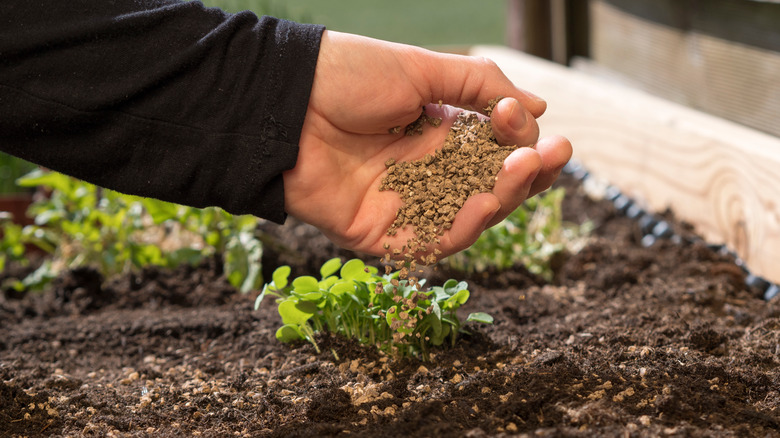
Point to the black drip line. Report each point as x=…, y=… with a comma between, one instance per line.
x=654, y=228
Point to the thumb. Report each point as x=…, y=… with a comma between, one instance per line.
x=477, y=212
x=471, y=82
x=513, y=124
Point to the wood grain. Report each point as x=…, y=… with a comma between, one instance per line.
x=719, y=56
x=721, y=177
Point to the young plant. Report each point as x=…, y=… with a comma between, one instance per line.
x=12, y=244
x=532, y=235
x=354, y=301
x=80, y=224
x=12, y=168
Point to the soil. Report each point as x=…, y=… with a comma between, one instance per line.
x=626, y=341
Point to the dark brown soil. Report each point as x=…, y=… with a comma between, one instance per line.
x=628, y=341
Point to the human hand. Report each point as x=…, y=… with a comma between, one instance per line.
x=362, y=89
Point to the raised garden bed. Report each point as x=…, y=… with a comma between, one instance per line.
x=649, y=330
x=628, y=339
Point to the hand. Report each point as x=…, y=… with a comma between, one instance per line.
x=362, y=89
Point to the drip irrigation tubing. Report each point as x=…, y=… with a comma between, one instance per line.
x=654, y=228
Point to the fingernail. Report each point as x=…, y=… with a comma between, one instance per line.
x=490, y=217
x=517, y=116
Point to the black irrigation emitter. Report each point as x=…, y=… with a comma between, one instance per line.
x=654, y=227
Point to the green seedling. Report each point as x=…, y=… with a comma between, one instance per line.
x=80, y=224
x=532, y=235
x=353, y=300
x=12, y=244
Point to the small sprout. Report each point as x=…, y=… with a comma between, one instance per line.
x=342, y=302
x=534, y=235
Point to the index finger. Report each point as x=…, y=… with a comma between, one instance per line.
x=471, y=82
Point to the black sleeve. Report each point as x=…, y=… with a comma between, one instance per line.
x=158, y=98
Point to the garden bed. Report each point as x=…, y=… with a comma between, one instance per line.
x=627, y=341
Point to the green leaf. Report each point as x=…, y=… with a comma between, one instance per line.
x=343, y=286
x=188, y=256
x=457, y=300
x=436, y=309
x=146, y=255
x=355, y=270
x=330, y=267
x=253, y=278
x=310, y=296
x=279, y=277
x=243, y=254
x=296, y=312
x=306, y=307
x=482, y=317
x=434, y=320
x=439, y=339
x=53, y=180
x=392, y=317
x=289, y=333
x=328, y=282
x=260, y=297
x=160, y=211
x=449, y=284
x=306, y=284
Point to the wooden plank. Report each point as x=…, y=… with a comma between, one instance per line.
x=720, y=56
x=721, y=177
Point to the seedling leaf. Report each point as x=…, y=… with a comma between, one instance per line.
x=280, y=276
x=353, y=270
x=330, y=267
x=439, y=339
x=289, y=333
x=260, y=297
x=482, y=317
x=311, y=296
x=342, y=287
x=305, y=284
x=295, y=312
x=459, y=298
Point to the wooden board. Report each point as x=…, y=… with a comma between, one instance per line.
x=722, y=177
x=719, y=56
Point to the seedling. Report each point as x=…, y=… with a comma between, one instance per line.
x=12, y=244
x=80, y=224
x=532, y=235
x=354, y=301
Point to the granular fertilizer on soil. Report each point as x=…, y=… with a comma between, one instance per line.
x=435, y=187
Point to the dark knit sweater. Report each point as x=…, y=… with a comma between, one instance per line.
x=158, y=98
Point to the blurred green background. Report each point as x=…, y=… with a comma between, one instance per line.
x=427, y=23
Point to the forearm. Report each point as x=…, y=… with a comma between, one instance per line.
x=177, y=101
